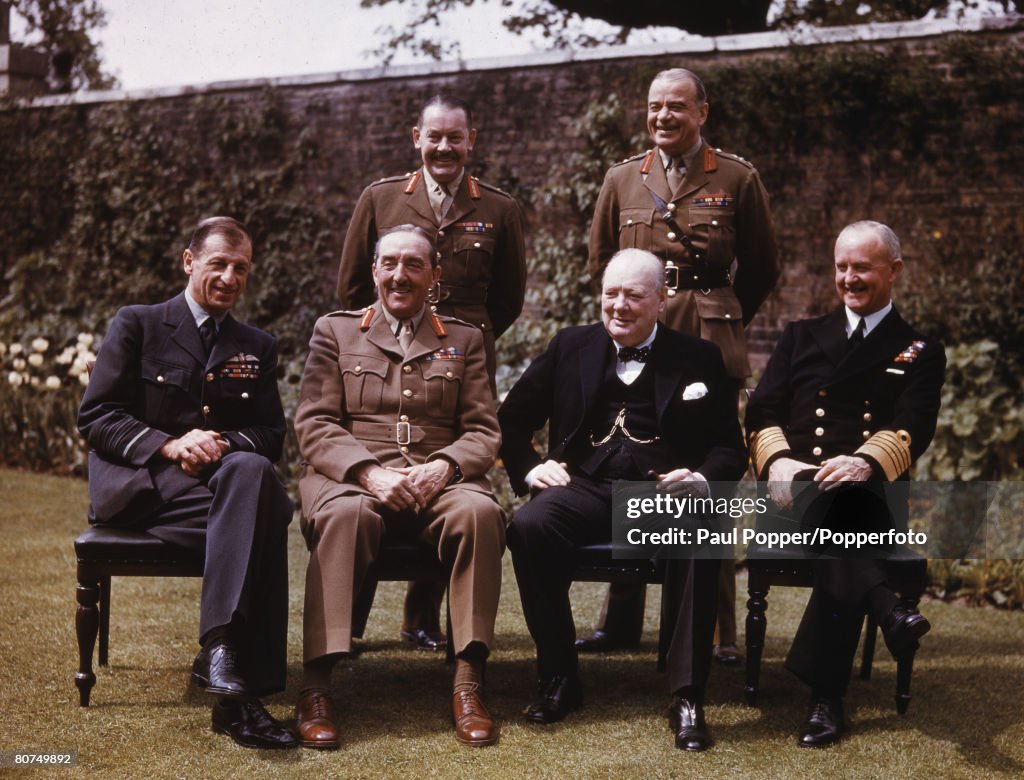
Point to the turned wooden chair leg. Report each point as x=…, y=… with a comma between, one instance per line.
x=104, y=619
x=757, y=625
x=86, y=625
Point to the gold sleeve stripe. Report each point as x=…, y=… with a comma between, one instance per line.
x=890, y=450
x=765, y=444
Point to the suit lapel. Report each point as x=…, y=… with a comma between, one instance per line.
x=227, y=344
x=831, y=337
x=462, y=204
x=592, y=356
x=667, y=374
x=696, y=176
x=879, y=346
x=185, y=333
x=656, y=181
x=424, y=341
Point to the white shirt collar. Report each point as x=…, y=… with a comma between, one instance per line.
x=645, y=343
x=870, y=321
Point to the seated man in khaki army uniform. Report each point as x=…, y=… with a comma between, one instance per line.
x=396, y=424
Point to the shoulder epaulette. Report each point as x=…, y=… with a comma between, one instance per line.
x=414, y=179
x=641, y=156
x=486, y=186
x=645, y=167
x=391, y=179
x=439, y=329
x=710, y=161
x=726, y=155
x=364, y=323
x=346, y=313
x=473, y=185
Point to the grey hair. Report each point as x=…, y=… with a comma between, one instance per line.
x=640, y=258
x=884, y=233
x=674, y=74
x=415, y=230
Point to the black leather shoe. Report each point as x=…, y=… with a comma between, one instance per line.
x=432, y=641
x=558, y=697
x=686, y=719
x=825, y=724
x=601, y=642
x=250, y=725
x=727, y=655
x=216, y=670
x=902, y=627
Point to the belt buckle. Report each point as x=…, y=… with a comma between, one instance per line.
x=406, y=428
x=671, y=277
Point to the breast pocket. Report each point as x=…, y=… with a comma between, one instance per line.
x=443, y=381
x=470, y=265
x=363, y=377
x=635, y=228
x=717, y=229
x=163, y=382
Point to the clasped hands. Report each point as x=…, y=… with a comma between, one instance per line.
x=196, y=450
x=830, y=474
x=551, y=473
x=410, y=487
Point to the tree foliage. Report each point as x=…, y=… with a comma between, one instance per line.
x=67, y=28
x=563, y=23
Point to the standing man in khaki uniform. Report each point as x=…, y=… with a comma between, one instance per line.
x=478, y=230
x=396, y=424
x=705, y=214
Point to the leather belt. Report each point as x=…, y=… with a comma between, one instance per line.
x=688, y=277
x=452, y=293
x=402, y=433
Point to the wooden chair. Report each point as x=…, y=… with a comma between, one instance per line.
x=907, y=573
x=105, y=552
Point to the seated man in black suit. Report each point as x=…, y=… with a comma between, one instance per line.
x=183, y=420
x=628, y=399
x=847, y=400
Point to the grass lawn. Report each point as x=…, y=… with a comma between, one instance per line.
x=966, y=719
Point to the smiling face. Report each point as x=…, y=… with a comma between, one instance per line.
x=218, y=272
x=865, y=274
x=445, y=140
x=631, y=296
x=675, y=114
x=403, y=273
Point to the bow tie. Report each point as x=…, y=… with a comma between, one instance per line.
x=640, y=355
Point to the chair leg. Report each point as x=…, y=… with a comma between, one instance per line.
x=86, y=625
x=904, y=671
x=104, y=619
x=757, y=625
x=868, y=656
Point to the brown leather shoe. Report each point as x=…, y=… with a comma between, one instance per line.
x=473, y=723
x=314, y=720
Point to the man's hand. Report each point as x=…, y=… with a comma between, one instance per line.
x=392, y=486
x=781, y=474
x=843, y=468
x=550, y=473
x=196, y=450
x=430, y=478
x=683, y=482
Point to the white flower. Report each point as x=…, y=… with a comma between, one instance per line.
x=35, y=360
x=34, y=381
x=65, y=357
x=52, y=383
x=83, y=378
x=40, y=345
x=86, y=356
x=694, y=391
x=19, y=364
x=77, y=368
x=86, y=339
x=3, y=348
x=16, y=349
x=15, y=378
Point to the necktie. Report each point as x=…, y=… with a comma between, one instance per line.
x=676, y=173
x=443, y=203
x=208, y=334
x=857, y=336
x=632, y=353
x=404, y=335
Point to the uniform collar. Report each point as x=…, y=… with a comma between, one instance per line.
x=199, y=314
x=870, y=321
x=394, y=321
x=688, y=155
x=433, y=187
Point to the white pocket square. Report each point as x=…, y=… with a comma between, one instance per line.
x=695, y=391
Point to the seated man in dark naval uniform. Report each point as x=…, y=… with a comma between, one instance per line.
x=627, y=398
x=183, y=421
x=848, y=401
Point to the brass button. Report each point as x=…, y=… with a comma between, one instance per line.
x=867, y=403
x=160, y=379
x=438, y=255
x=209, y=377
x=816, y=451
x=476, y=244
x=403, y=448
x=822, y=393
x=629, y=222
x=206, y=410
x=245, y=396
x=440, y=234
x=404, y=418
x=671, y=206
x=819, y=412
x=819, y=431
x=358, y=369
x=449, y=374
x=671, y=236
x=867, y=435
x=714, y=222
x=728, y=316
x=867, y=416
x=407, y=368
x=407, y=393
x=433, y=308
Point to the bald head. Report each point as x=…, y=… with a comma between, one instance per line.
x=632, y=296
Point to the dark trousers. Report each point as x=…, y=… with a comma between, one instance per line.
x=237, y=519
x=543, y=538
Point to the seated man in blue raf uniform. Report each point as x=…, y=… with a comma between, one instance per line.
x=627, y=398
x=846, y=399
x=183, y=419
